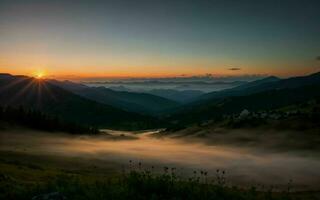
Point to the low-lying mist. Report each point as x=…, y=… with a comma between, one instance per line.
x=243, y=165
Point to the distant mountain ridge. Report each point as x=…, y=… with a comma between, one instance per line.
x=181, y=96
x=262, y=94
x=157, y=82
x=184, y=96
x=78, y=102
x=270, y=99
x=129, y=101
x=52, y=99
x=265, y=84
x=244, y=89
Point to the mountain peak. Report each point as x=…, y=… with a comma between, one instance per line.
x=270, y=78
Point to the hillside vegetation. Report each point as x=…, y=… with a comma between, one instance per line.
x=10, y=116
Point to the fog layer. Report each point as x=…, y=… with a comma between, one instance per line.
x=242, y=165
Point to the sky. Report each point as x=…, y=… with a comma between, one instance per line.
x=159, y=38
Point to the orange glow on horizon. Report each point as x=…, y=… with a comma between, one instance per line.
x=137, y=72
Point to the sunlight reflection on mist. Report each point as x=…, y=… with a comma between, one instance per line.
x=241, y=164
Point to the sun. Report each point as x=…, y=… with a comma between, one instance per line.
x=39, y=75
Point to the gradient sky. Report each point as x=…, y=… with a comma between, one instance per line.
x=135, y=38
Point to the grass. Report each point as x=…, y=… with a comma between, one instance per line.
x=136, y=185
x=23, y=177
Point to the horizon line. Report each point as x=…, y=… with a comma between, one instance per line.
x=181, y=76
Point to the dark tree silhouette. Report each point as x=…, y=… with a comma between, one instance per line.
x=38, y=120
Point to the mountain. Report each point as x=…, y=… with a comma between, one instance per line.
x=264, y=94
x=265, y=100
x=145, y=86
x=129, y=101
x=269, y=79
x=49, y=98
x=248, y=88
x=184, y=96
x=265, y=84
x=180, y=96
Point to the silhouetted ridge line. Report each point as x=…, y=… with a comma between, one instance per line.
x=49, y=98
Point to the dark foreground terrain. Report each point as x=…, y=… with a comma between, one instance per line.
x=55, y=178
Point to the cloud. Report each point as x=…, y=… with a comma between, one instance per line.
x=234, y=68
